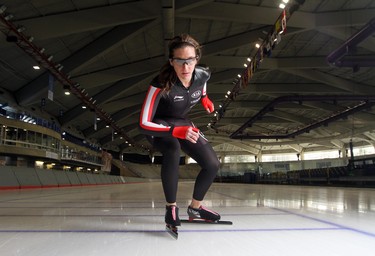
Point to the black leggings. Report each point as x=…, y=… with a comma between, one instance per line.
x=201, y=152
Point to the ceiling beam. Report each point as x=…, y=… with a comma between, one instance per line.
x=343, y=18
x=67, y=23
x=234, y=13
x=104, y=96
x=318, y=76
x=266, y=15
x=34, y=91
x=342, y=34
x=116, y=74
x=168, y=22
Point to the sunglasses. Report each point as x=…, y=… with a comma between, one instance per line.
x=181, y=62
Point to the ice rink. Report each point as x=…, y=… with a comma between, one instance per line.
x=129, y=220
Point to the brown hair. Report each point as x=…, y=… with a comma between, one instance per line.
x=167, y=76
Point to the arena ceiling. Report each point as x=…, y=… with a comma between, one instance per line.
x=109, y=50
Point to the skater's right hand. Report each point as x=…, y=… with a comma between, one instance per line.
x=186, y=132
x=192, y=134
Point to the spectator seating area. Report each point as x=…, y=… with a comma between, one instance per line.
x=26, y=177
x=363, y=176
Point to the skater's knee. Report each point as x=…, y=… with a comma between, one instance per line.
x=213, y=166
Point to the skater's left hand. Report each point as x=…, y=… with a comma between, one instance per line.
x=207, y=104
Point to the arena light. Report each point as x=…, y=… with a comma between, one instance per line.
x=9, y=17
x=2, y=9
x=66, y=89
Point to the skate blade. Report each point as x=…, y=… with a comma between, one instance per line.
x=201, y=221
x=172, y=230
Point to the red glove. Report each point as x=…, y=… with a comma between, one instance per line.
x=207, y=104
x=180, y=132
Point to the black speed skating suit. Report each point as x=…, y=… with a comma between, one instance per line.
x=161, y=112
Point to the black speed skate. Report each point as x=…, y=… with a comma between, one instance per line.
x=202, y=214
x=172, y=220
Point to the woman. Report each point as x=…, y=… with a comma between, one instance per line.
x=179, y=86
